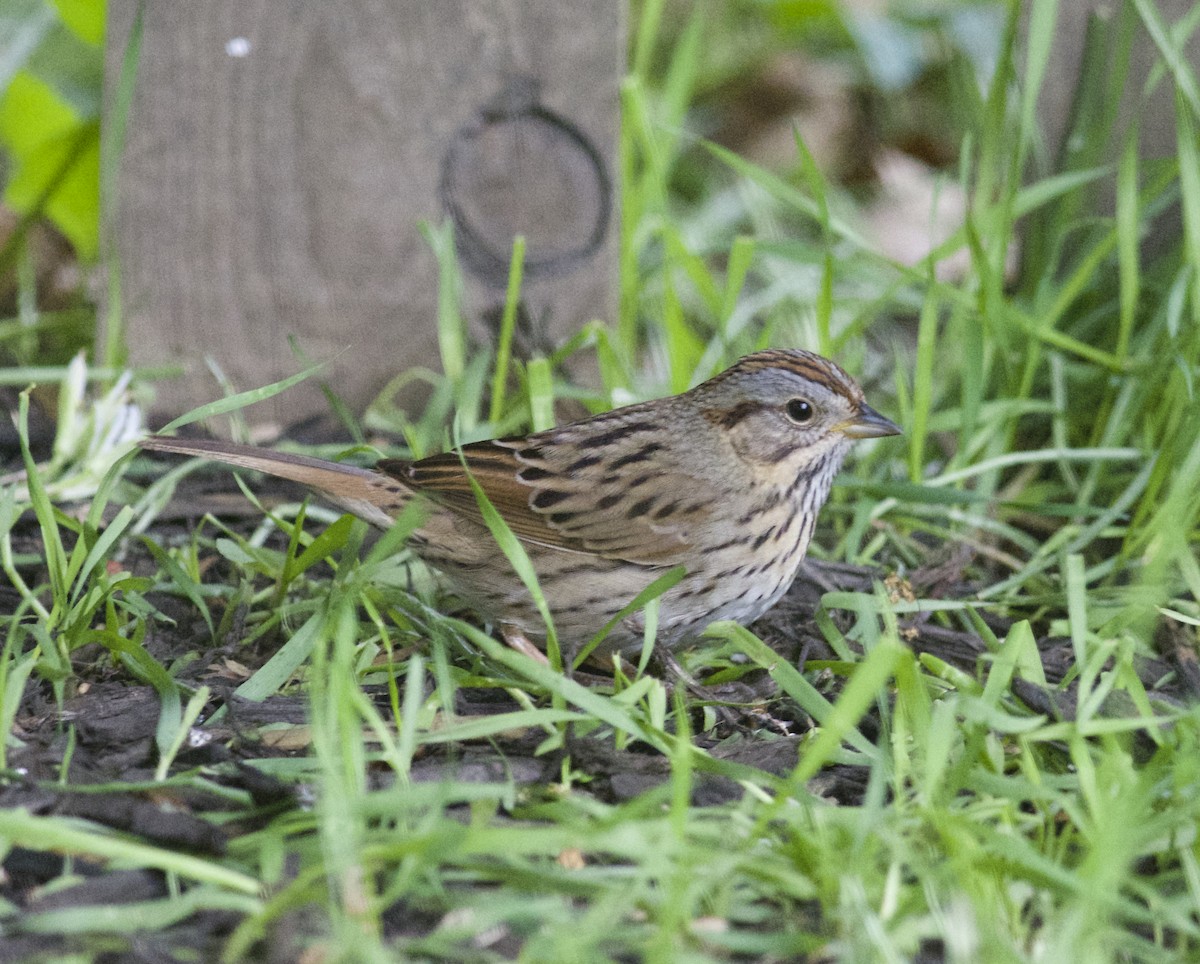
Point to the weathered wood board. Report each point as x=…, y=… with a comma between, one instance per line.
x=281, y=156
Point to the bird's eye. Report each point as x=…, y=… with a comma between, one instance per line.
x=799, y=410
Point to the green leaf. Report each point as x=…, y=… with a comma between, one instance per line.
x=842, y=722
x=235, y=402
x=55, y=161
x=276, y=671
x=66, y=835
x=84, y=17
x=71, y=68
x=24, y=25
x=659, y=586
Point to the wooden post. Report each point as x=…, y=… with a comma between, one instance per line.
x=281, y=156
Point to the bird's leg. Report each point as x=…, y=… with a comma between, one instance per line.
x=738, y=717
x=517, y=639
x=676, y=675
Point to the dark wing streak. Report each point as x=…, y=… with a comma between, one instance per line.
x=555, y=507
x=441, y=478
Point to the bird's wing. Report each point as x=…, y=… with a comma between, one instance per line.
x=627, y=502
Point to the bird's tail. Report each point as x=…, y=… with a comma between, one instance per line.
x=368, y=494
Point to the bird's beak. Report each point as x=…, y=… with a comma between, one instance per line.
x=868, y=423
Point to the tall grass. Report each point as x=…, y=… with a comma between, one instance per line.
x=1052, y=431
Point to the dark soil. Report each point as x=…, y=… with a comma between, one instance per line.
x=94, y=755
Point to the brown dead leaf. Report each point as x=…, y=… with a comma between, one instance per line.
x=287, y=738
x=230, y=669
x=898, y=588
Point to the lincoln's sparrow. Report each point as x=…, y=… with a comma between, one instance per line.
x=725, y=479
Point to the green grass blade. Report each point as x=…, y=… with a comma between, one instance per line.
x=508, y=323
x=239, y=401
x=70, y=836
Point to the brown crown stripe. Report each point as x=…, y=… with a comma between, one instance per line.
x=819, y=373
x=802, y=363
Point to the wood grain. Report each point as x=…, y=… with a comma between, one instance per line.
x=281, y=156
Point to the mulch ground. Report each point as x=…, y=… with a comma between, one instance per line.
x=103, y=735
